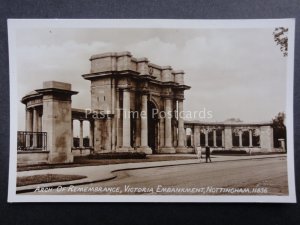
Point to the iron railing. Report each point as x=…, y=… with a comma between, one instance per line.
x=32, y=141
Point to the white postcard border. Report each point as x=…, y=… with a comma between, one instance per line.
x=14, y=24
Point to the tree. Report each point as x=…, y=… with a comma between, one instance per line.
x=281, y=38
x=279, y=128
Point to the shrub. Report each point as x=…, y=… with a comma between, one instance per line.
x=229, y=152
x=118, y=155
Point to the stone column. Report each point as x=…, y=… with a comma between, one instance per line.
x=91, y=139
x=192, y=138
x=185, y=137
x=98, y=135
x=215, y=137
x=126, y=146
x=29, y=126
x=228, y=138
x=199, y=136
x=72, y=133
x=181, y=132
x=40, y=123
x=196, y=137
x=168, y=148
x=119, y=121
x=107, y=144
x=57, y=116
x=175, y=136
x=266, y=138
x=250, y=138
x=161, y=132
x=144, y=126
x=282, y=144
x=223, y=138
x=81, y=134
x=35, y=127
x=168, y=124
x=206, y=137
x=181, y=147
x=240, y=138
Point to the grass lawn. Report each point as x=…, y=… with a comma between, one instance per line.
x=84, y=161
x=46, y=178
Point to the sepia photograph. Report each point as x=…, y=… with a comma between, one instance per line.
x=151, y=110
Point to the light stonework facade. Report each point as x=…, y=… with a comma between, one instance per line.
x=231, y=135
x=131, y=94
x=135, y=107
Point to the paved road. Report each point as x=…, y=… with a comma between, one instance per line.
x=269, y=175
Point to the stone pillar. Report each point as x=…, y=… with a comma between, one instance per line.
x=72, y=133
x=240, y=138
x=81, y=134
x=119, y=120
x=266, y=138
x=126, y=146
x=181, y=131
x=199, y=136
x=250, y=138
x=196, y=137
x=161, y=132
x=215, y=137
x=40, y=123
x=282, y=144
x=57, y=117
x=35, y=127
x=192, y=138
x=144, y=126
x=223, y=138
x=185, y=137
x=98, y=135
x=91, y=139
x=29, y=126
x=228, y=137
x=168, y=148
x=107, y=144
x=206, y=137
x=175, y=134
x=113, y=134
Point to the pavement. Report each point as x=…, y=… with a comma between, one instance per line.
x=106, y=172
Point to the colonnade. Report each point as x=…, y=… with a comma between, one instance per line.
x=33, y=125
x=224, y=134
x=91, y=133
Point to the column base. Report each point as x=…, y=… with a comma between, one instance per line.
x=125, y=149
x=145, y=149
x=167, y=150
x=55, y=158
x=184, y=150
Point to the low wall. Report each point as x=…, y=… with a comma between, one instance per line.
x=81, y=152
x=247, y=149
x=32, y=157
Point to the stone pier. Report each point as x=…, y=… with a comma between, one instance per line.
x=57, y=120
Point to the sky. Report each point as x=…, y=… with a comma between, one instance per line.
x=234, y=73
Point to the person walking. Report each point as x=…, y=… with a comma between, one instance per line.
x=199, y=153
x=207, y=154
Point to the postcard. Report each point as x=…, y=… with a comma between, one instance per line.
x=139, y=110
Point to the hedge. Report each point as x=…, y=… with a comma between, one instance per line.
x=118, y=155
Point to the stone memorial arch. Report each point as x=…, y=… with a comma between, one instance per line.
x=136, y=106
